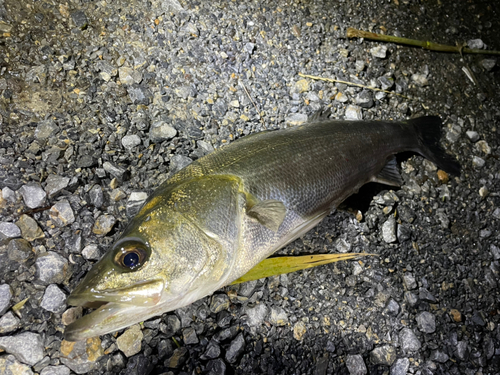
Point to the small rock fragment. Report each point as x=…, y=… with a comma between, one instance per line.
x=131, y=141
x=55, y=370
x=488, y=64
x=135, y=202
x=54, y=299
x=475, y=44
x=356, y=365
x=426, y=322
x=235, y=349
x=301, y=86
x=219, y=302
x=9, y=230
x=9, y=365
x=54, y=184
x=299, y=330
x=478, y=162
x=383, y=355
x=103, y=224
x=473, y=135
x=33, y=195
x=130, y=341
x=51, y=268
x=389, y=230
x=296, y=119
x=30, y=230
x=161, y=131
x=8, y=322
x=5, y=296
x=178, y=162
x=178, y=358
x=189, y=335
x=409, y=341
x=19, y=250
x=27, y=347
x=81, y=356
x=364, y=99
x=353, y=112
x=278, y=317
x=409, y=281
x=62, y=213
x=400, y=367
x=256, y=315
x=379, y=51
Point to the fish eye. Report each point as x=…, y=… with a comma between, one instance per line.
x=131, y=255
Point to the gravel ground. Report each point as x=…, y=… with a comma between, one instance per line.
x=101, y=101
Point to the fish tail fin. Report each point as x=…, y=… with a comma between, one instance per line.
x=428, y=129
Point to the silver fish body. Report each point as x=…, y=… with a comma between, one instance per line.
x=220, y=216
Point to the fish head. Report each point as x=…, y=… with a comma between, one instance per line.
x=174, y=252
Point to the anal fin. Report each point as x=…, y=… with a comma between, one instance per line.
x=389, y=175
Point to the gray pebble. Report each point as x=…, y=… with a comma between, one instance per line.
x=51, y=268
x=379, y=51
x=135, y=202
x=80, y=19
x=255, y=315
x=356, y=365
x=11, y=366
x=409, y=341
x=392, y=307
x=19, y=250
x=246, y=289
x=426, y=322
x=249, y=47
x=409, y=281
x=389, y=230
x=386, y=83
x=278, y=317
x=475, y=44
x=131, y=141
x=488, y=64
x=219, y=303
x=62, y=214
x=364, y=99
x=353, y=113
x=235, y=349
x=383, y=355
x=9, y=230
x=103, y=224
x=420, y=79
x=341, y=97
x=129, y=76
x=96, y=196
x=27, y=347
x=484, y=147
x=439, y=356
x=29, y=228
x=139, y=94
x=425, y=295
x=9, y=322
x=45, y=129
x=189, y=335
x=161, y=131
x=54, y=299
x=5, y=296
x=179, y=162
x=216, y=367
x=495, y=251
x=478, y=162
x=400, y=367
x=212, y=351
x=462, y=350
x=453, y=134
x=360, y=65
x=55, y=370
x=473, y=135
x=8, y=194
x=33, y=195
x=112, y=170
x=296, y=119
x=54, y=184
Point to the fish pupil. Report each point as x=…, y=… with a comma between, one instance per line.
x=131, y=260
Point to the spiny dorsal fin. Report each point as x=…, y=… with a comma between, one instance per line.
x=389, y=175
x=320, y=115
x=269, y=213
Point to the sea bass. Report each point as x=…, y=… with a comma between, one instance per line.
x=214, y=220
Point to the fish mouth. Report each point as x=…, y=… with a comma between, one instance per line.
x=115, y=308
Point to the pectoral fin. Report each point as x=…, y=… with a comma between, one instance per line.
x=269, y=213
x=389, y=175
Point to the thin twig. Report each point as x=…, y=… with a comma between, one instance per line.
x=256, y=109
x=352, y=84
x=355, y=33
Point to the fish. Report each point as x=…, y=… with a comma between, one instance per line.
x=214, y=220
